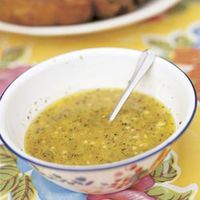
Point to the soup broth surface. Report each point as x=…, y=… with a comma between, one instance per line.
x=75, y=130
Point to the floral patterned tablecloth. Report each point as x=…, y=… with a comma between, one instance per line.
x=174, y=35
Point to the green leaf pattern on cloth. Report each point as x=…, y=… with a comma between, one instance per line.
x=10, y=55
x=165, y=46
x=183, y=5
x=161, y=46
x=167, y=171
x=11, y=180
x=24, y=190
x=14, y=56
x=164, y=193
x=6, y=157
x=9, y=176
x=182, y=41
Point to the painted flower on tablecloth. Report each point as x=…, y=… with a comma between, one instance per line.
x=12, y=64
x=183, y=49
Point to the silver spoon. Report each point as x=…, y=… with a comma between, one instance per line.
x=144, y=63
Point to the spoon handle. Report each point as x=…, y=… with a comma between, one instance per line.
x=144, y=63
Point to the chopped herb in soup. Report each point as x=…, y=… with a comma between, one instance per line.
x=75, y=130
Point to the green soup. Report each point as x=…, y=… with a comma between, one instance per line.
x=75, y=130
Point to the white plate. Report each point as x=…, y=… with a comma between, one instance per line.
x=149, y=10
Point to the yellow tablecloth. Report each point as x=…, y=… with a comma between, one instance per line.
x=175, y=34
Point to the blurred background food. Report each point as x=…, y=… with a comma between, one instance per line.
x=63, y=12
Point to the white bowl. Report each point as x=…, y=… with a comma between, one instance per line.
x=87, y=69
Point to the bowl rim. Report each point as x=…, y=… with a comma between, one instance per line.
x=76, y=168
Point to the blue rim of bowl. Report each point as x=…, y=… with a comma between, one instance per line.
x=114, y=164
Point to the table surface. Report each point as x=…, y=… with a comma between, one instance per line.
x=174, y=35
